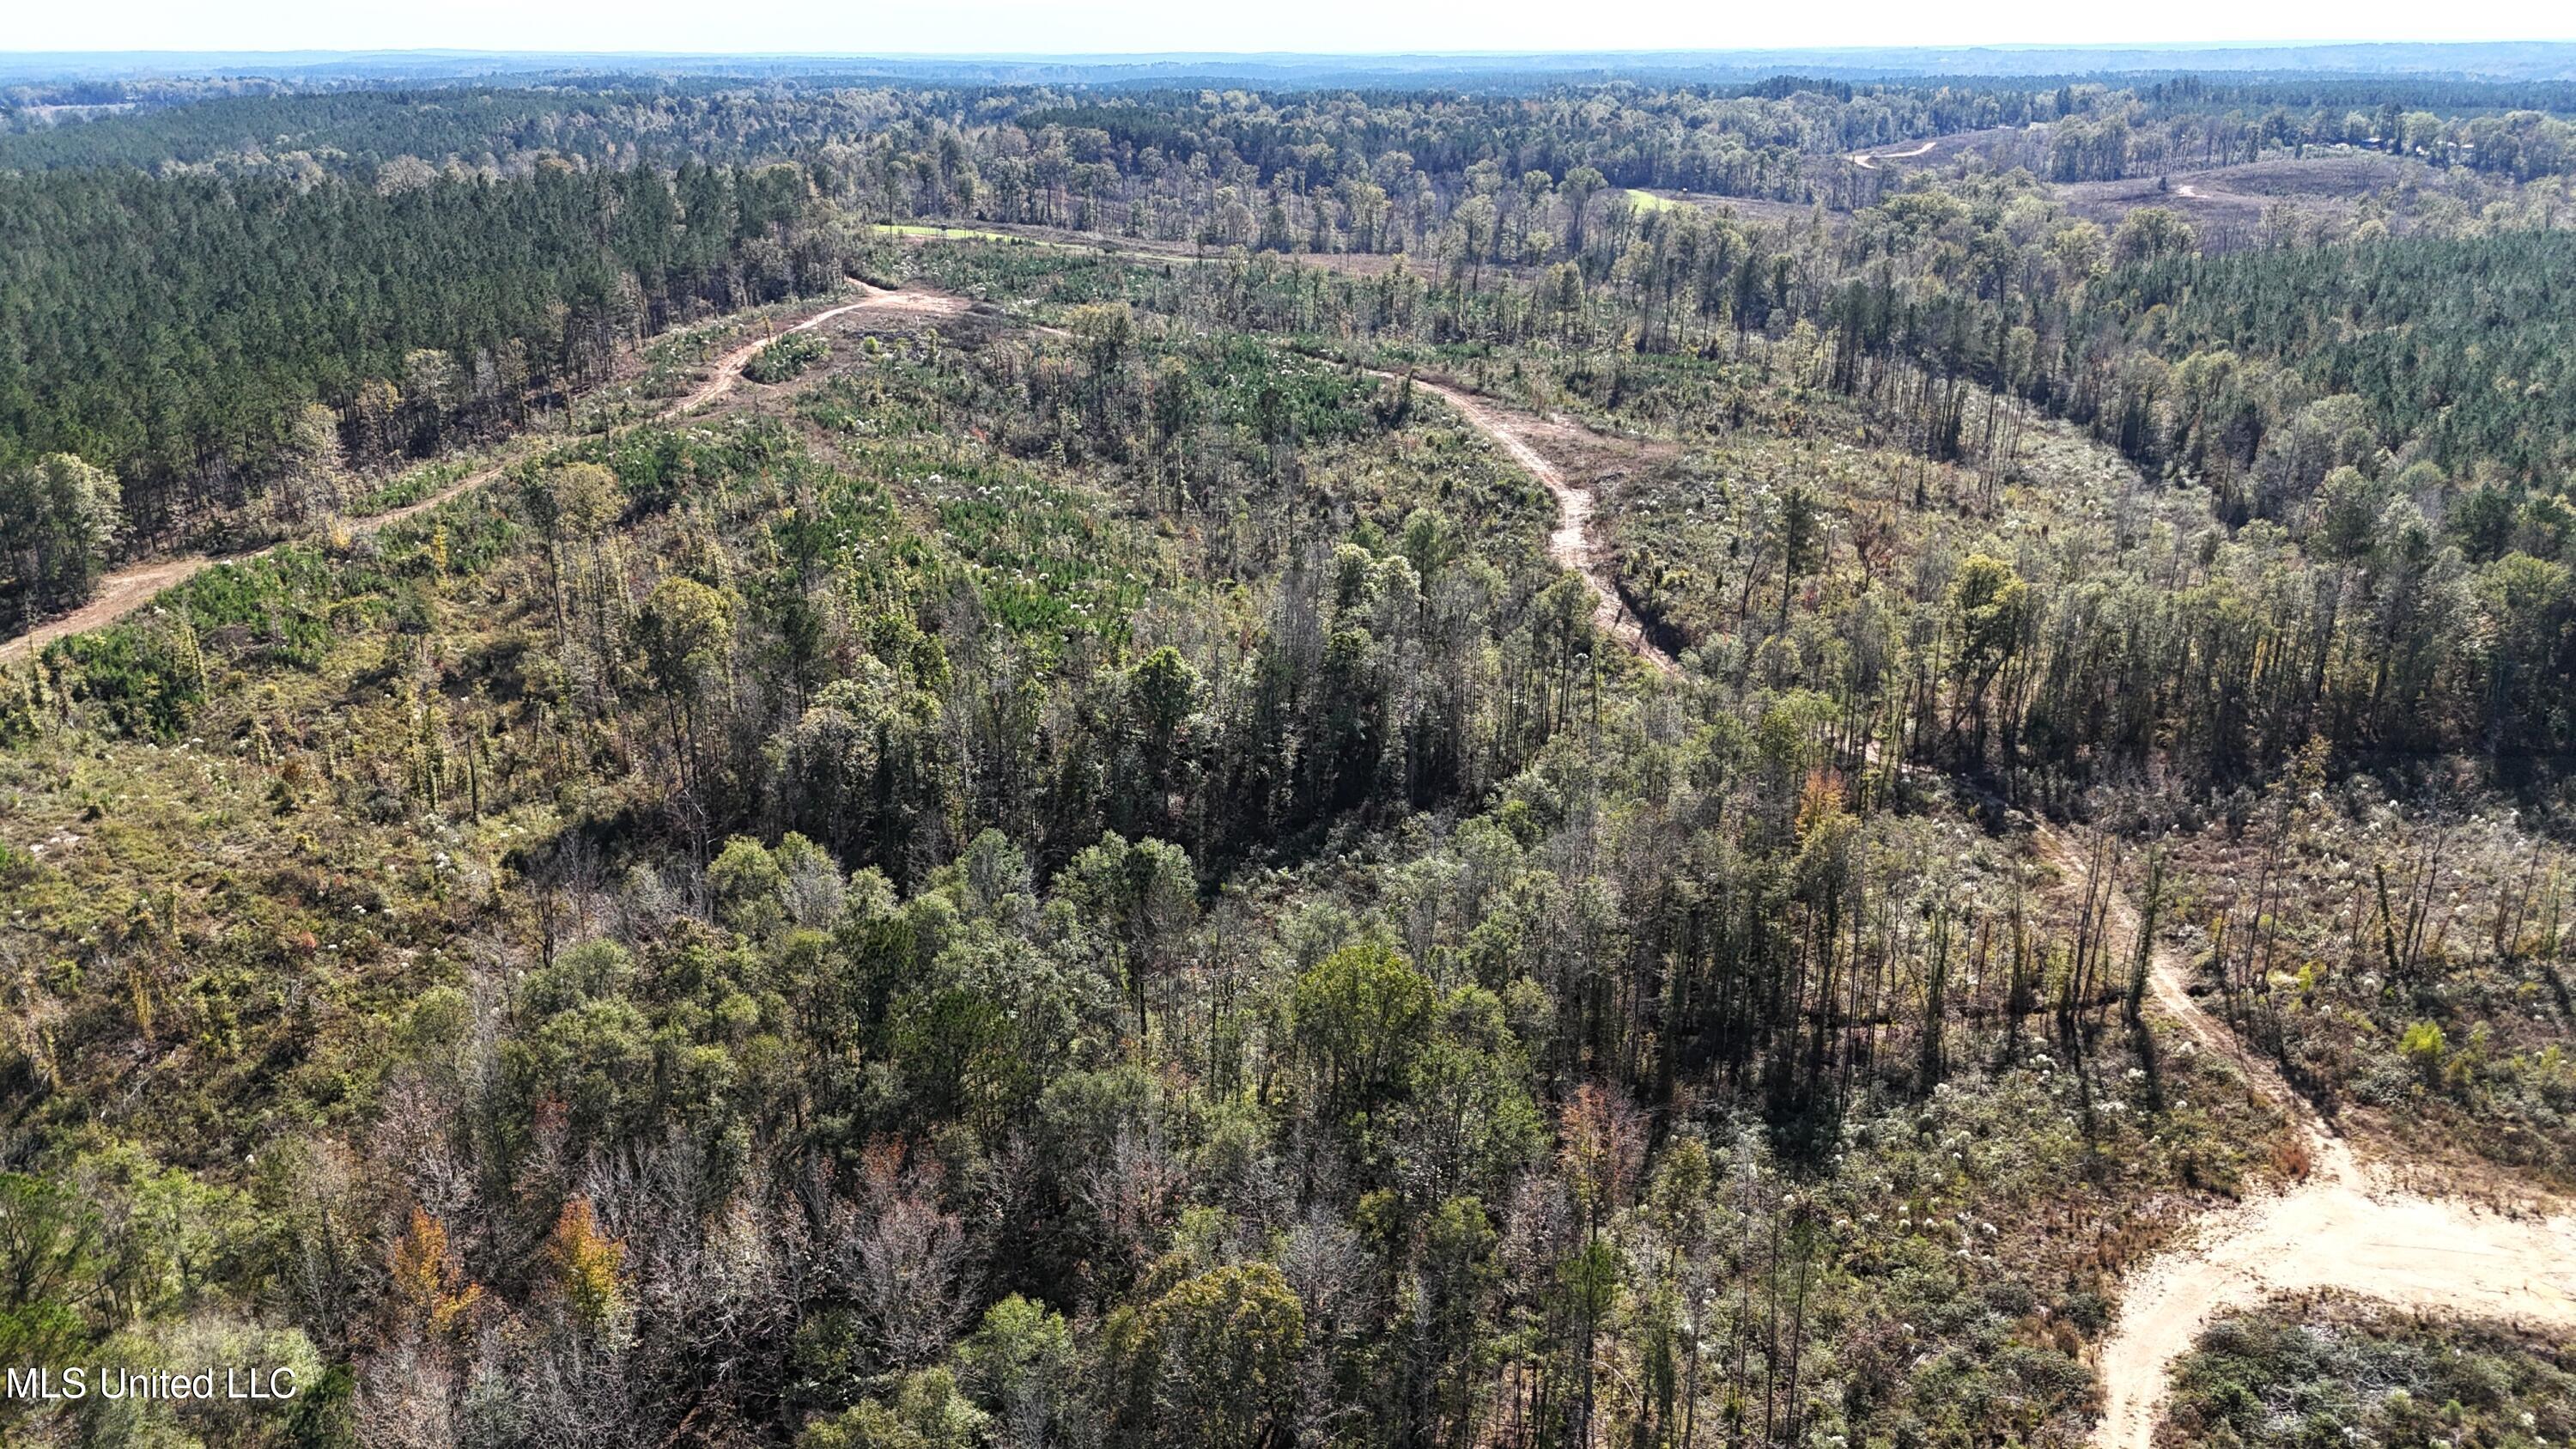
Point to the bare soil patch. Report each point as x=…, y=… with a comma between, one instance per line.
x=2346, y=1224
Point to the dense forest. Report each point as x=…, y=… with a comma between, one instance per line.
x=941, y=768
x=169, y=332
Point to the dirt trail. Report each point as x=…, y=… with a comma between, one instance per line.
x=728, y=369
x=2344, y=1226
x=1570, y=543
x=119, y=594
x=129, y=589
x=1868, y=160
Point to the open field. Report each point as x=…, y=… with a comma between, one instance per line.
x=916, y=231
x=2233, y=201
x=1750, y=208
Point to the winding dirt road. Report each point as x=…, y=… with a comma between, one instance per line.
x=129, y=589
x=2344, y=1226
x=1570, y=542
x=1868, y=160
x=728, y=369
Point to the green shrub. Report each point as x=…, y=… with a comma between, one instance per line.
x=787, y=357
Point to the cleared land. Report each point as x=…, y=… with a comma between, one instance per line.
x=129, y=589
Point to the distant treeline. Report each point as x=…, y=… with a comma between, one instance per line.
x=359, y=127
x=182, y=288
x=2411, y=93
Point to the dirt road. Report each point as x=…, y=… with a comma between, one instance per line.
x=129, y=589
x=1570, y=542
x=728, y=369
x=1868, y=160
x=2344, y=1226
x=119, y=594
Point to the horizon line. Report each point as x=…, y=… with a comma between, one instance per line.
x=1408, y=54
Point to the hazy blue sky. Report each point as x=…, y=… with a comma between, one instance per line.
x=1026, y=26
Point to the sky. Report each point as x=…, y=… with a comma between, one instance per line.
x=1094, y=27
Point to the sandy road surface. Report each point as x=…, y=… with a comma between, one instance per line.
x=119, y=594
x=1868, y=160
x=1570, y=542
x=128, y=589
x=2344, y=1226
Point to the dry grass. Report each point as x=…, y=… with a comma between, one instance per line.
x=2482, y=954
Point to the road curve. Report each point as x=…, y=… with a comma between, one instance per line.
x=2343, y=1226
x=129, y=589
x=1868, y=160
x=1570, y=543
